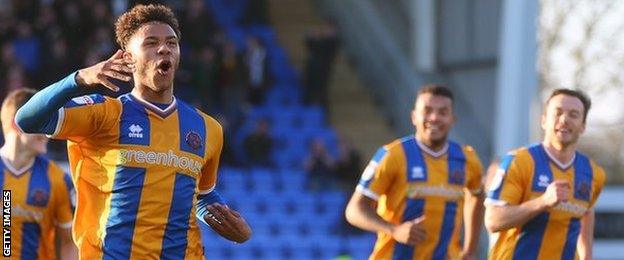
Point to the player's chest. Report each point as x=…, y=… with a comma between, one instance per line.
x=580, y=192
x=29, y=200
x=434, y=179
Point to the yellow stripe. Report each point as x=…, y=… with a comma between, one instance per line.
x=152, y=216
x=157, y=192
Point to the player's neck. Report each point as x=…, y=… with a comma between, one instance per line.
x=562, y=153
x=432, y=146
x=16, y=155
x=147, y=94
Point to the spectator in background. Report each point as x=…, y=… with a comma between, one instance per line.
x=16, y=78
x=204, y=72
x=197, y=24
x=322, y=45
x=26, y=47
x=256, y=71
x=8, y=62
x=348, y=164
x=259, y=145
x=55, y=62
x=71, y=25
x=319, y=166
x=231, y=82
x=228, y=158
x=256, y=13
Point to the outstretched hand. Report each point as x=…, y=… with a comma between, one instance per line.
x=116, y=67
x=228, y=223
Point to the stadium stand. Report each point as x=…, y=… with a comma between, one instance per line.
x=289, y=222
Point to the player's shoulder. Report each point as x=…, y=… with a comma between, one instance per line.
x=520, y=153
x=55, y=171
x=211, y=123
x=468, y=150
x=598, y=171
x=395, y=145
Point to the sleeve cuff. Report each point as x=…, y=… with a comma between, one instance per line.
x=494, y=202
x=65, y=225
x=367, y=192
x=204, y=192
x=59, y=123
x=477, y=191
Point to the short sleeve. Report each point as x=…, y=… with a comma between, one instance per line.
x=82, y=117
x=474, y=171
x=64, y=190
x=208, y=175
x=378, y=175
x=598, y=183
x=508, y=184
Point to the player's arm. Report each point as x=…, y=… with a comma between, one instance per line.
x=213, y=211
x=211, y=208
x=473, y=217
x=504, y=206
x=504, y=209
x=377, y=178
x=502, y=217
x=361, y=213
x=39, y=114
x=473, y=205
x=68, y=248
x=586, y=237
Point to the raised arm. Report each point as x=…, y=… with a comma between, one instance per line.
x=39, y=114
x=502, y=217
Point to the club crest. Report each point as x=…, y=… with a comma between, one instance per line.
x=193, y=140
x=38, y=198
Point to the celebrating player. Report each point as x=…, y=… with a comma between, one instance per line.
x=40, y=191
x=421, y=186
x=138, y=161
x=541, y=197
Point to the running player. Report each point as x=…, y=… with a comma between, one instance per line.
x=541, y=198
x=416, y=190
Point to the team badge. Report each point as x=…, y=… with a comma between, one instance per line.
x=583, y=190
x=456, y=176
x=193, y=140
x=39, y=198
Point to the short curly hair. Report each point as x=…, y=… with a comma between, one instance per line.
x=129, y=22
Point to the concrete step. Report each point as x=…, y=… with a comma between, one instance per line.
x=352, y=109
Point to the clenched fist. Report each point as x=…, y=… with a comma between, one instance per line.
x=556, y=192
x=410, y=232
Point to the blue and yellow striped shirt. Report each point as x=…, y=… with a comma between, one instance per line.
x=138, y=170
x=408, y=180
x=40, y=202
x=524, y=175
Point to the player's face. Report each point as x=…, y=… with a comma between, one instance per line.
x=34, y=143
x=563, y=120
x=155, y=49
x=433, y=118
